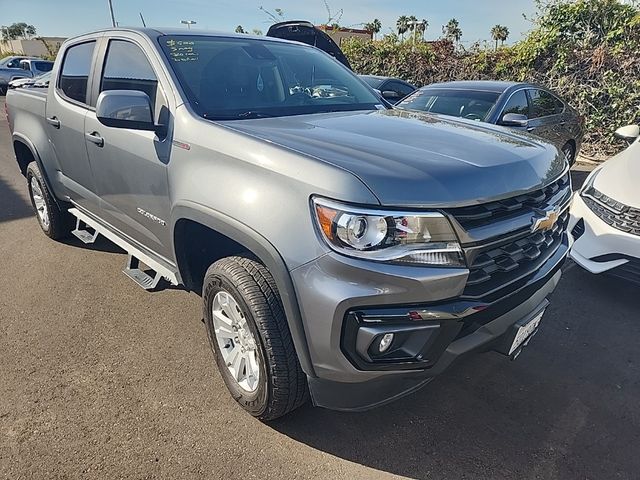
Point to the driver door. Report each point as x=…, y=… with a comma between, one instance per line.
x=130, y=166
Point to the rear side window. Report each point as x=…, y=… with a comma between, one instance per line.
x=43, y=66
x=517, y=104
x=127, y=68
x=543, y=104
x=75, y=71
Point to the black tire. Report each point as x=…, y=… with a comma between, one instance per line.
x=282, y=385
x=569, y=153
x=60, y=221
x=3, y=90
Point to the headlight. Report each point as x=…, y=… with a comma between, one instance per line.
x=588, y=183
x=387, y=236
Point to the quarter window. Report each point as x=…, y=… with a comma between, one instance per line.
x=127, y=68
x=75, y=71
x=517, y=104
x=402, y=89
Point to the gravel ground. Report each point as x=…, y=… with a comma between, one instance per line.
x=100, y=379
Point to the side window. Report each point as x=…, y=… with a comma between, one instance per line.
x=559, y=105
x=543, y=103
x=402, y=89
x=75, y=71
x=517, y=104
x=127, y=68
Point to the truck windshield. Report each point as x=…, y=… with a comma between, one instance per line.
x=229, y=78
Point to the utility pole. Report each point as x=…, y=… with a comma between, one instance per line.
x=113, y=18
x=188, y=23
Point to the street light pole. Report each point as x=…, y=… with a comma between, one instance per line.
x=188, y=23
x=113, y=18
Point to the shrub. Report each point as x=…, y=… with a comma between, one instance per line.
x=588, y=51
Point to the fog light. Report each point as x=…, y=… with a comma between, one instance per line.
x=385, y=343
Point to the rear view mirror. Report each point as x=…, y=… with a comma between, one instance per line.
x=629, y=133
x=125, y=109
x=514, y=120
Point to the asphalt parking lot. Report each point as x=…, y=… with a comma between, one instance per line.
x=100, y=379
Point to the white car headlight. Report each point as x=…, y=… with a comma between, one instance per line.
x=415, y=238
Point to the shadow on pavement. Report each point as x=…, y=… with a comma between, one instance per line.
x=13, y=206
x=571, y=396
x=578, y=177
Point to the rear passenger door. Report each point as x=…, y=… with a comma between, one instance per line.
x=545, y=118
x=130, y=166
x=66, y=109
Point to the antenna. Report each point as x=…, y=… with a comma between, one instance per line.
x=113, y=18
x=144, y=24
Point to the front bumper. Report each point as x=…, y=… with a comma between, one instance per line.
x=599, y=247
x=334, y=291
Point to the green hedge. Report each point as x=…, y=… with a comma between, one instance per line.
x=588, y=51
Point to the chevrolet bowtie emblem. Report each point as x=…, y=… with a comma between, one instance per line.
x=544, y=220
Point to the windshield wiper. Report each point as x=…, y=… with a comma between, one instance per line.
x=238, y=116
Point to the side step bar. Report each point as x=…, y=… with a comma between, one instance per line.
x=135, y=257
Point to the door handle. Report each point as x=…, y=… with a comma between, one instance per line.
x=94, y=137
x=53, y=121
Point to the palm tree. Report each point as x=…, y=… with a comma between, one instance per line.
x=452, y=31
x=413, y=23
x=239, y=29
x=402, y=25
x=376, y=26
x=421, y=28
x=499, y=32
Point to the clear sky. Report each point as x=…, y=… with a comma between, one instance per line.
x=71, y=17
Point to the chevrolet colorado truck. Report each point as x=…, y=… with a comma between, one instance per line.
x=344, y=250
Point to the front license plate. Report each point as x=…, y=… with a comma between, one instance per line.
x=525, y=331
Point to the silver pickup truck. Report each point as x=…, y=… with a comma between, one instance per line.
x=28, y=68
x=343, y=249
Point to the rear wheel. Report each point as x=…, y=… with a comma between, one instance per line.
x=250, y=338
x=54, y=222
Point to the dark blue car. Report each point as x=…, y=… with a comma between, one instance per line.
x=522, y=106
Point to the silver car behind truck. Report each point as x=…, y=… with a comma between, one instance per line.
x=341, y=247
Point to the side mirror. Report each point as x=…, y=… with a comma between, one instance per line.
x=628, y=133
x=125, y=109
x=514, y=120
x=391, y=96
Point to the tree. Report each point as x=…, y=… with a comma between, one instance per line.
x=421, y=28
x=452, y=31
x=17, y=30
x=499, y=33
x=374, y=27
x=333, y=18
x=256, y=31
x=402, y=25
x=239, y=29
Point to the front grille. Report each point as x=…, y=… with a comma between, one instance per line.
x=498, y=267
x=502, y=252
x=623, y=218
x=480, y=215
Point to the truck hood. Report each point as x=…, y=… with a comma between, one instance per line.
x=618, y=178
x=414, y=159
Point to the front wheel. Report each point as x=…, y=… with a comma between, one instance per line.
x=250, y=338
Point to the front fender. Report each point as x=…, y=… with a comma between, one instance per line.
x=266, y=253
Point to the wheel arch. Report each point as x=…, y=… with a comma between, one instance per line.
x=26, y=152
x=232, y=233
